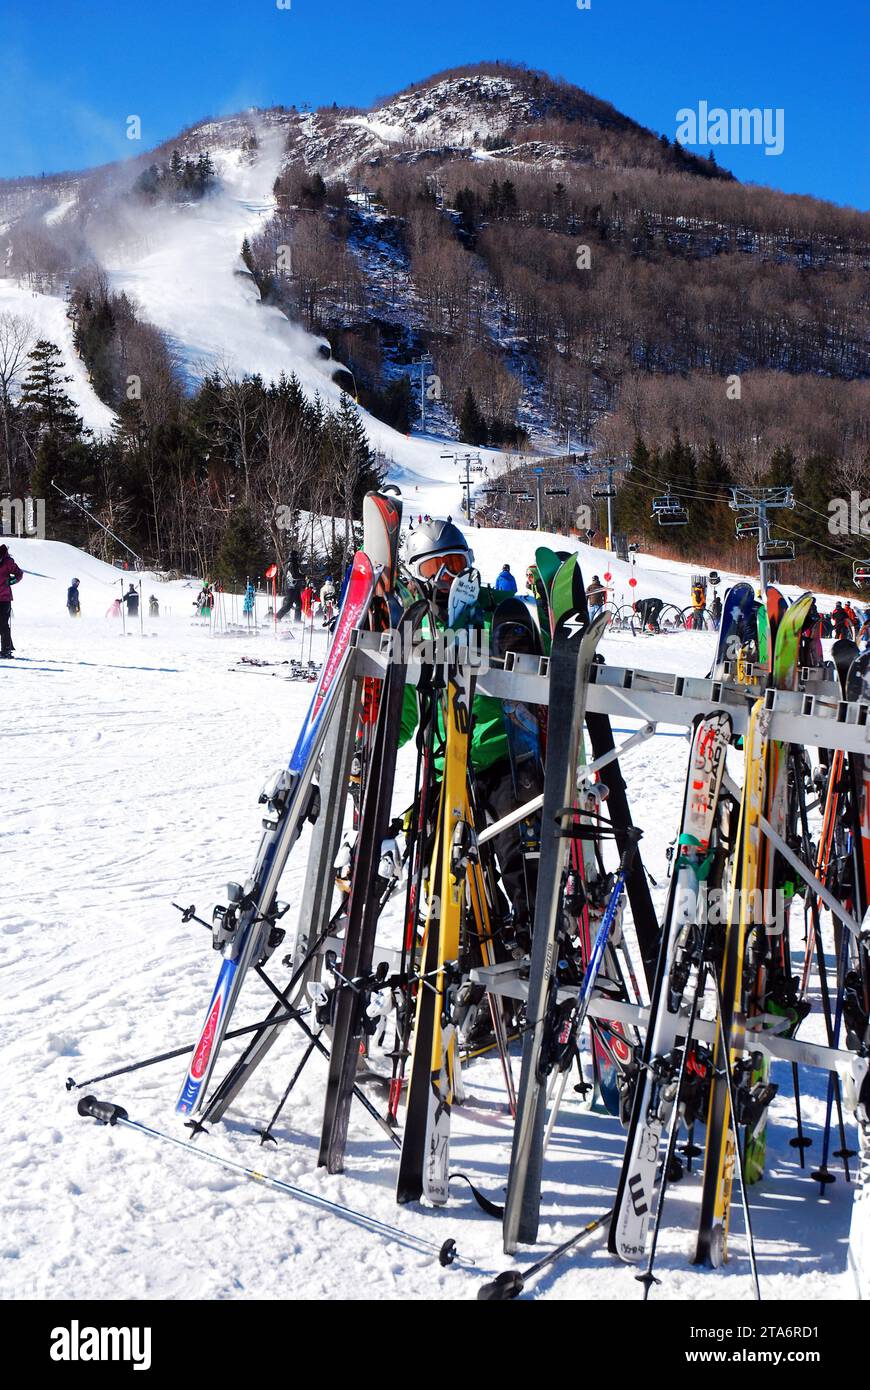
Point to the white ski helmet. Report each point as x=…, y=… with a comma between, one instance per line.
x=435, y=549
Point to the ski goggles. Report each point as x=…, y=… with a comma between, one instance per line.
x=434, y=565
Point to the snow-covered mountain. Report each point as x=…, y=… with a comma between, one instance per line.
x=181, y=264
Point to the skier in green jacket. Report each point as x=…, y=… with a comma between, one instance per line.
x=435, y=553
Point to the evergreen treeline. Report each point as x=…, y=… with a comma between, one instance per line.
x=179, y=181
x=212, y=484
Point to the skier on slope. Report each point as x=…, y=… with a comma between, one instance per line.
x=327, y=601
x=73, y=602
x=505, y=583
x=840, y=621
x=292, y=590
x=10, y=574
x=596, y=597
x=435, y=554
x=131, y=598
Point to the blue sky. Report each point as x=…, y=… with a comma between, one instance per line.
x=70, y=74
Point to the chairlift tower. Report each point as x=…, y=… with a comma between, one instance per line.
x=425, y=361
x=605, y=468
x=752, y=505
x=472, y=465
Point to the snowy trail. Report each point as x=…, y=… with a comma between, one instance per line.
x=130, y=787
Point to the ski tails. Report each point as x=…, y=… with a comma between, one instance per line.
x=720, y=1154
x=738, y=628
x=573, y=650
x=424, y=1161
x=382, y=525
x=354, y=981
x=243, y=930
x=654, y=1095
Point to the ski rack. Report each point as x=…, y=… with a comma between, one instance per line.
x=815, y=717
x=756, y=1034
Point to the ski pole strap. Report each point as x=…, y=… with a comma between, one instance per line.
x=491, y=1208
x=700, y=867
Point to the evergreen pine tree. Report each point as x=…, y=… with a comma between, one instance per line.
x=633, y=505
x=472, y=426
x=713, y=478
x=42, y=395
x=244, y=547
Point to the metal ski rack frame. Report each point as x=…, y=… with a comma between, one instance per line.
x=816, y=716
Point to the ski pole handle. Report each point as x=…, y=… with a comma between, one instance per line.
x=102, y=1110
x=633, y=836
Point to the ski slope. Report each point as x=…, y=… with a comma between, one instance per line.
x=132, y=765
x=182, y=265
x=46, y=315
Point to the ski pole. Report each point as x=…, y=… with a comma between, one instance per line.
x=596, y=955
x=822, y=1175
x=648, y=1278
x=732, y=1104
x=108, y=1114
x=799, y=1142
x=511, y=1282
x=266, y=1135
x=188, y=915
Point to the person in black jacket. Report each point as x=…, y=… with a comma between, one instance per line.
x=292, y=590
x=73, y=603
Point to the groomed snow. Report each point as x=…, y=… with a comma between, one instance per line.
x=131, y=783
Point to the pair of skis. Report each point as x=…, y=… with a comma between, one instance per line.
x=434, y=1081
x=246, y=931
x=575, y=639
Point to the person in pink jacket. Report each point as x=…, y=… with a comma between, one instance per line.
x=9, y=574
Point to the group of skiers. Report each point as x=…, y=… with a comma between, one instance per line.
x=845, y=622
x=300, y=595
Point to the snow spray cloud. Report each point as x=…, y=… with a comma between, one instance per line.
x=77, y=1343
x=22, y=517
x=741, y=125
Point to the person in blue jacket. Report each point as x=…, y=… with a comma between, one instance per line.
x=73, y=602
x=506, y=584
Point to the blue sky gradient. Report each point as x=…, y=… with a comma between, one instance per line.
x=71, y=74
